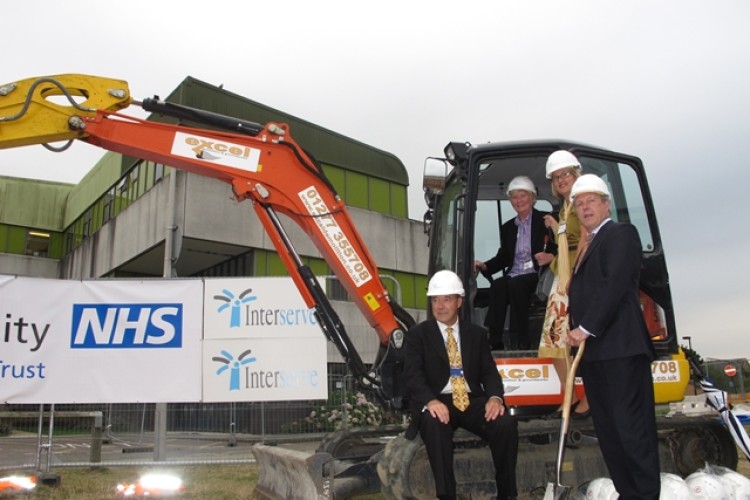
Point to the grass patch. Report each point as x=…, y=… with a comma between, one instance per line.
x=217, y=482
x=201, y=481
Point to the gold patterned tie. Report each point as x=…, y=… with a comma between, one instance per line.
x=458, y=383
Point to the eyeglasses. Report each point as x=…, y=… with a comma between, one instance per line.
x=561, y=176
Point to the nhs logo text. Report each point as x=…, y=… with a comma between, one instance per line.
x=126, y=326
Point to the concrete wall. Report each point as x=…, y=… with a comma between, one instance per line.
x=25, y=265
x=133, y=232
x=212, y=213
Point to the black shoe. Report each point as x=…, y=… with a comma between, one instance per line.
x=580, y=415
x=558, y=413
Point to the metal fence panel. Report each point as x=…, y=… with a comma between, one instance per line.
x=730, y=375
x=206, y=432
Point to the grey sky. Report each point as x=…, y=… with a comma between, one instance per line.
x=666, y=81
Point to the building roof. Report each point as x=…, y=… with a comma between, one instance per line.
x=33, y=203
x=325, y=145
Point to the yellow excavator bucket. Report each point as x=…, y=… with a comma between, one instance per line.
x=38, y=110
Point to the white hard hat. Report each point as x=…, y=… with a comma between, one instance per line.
x=704, y=485
x=673, y=487
x=521, y=182
x=561, y=159
x=591, y=489
x=601, y=488
x=608, y=492
x=589, y=183
x=737, y=485
x=445, y=283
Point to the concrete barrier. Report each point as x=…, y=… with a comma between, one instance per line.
x=285, y=474
x=292, y=474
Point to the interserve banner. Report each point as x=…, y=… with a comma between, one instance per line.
x=261, y=342
x=118, y=341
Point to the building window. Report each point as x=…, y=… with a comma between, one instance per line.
x=72, y=237
x=108, y=207
x=158, y=172
x=86, y=223
x=37, y=243
x=133, y=190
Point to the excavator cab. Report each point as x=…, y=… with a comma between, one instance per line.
x=467, y=205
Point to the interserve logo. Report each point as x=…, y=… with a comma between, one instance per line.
x=233, y=366
x=234, y=303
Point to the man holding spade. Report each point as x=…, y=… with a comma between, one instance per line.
x=605, y=312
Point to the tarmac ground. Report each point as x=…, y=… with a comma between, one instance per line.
x=21, y=450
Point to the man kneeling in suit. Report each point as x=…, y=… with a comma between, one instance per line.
x=452, y=381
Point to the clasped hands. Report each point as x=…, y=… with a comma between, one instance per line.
x=492, y=409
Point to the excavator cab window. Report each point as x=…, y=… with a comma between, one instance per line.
x=627, y=200
x=447, y=237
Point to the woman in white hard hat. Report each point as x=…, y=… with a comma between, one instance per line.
x=522, y=252
x=563, y=168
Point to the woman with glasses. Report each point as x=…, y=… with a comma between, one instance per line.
x=563, y=168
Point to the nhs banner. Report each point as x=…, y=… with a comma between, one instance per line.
x=261, y=342
x=117, y=326
x=102, y=341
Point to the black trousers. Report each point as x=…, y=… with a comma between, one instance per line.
x=621, y=396
x=501, y=434
x=515, y=292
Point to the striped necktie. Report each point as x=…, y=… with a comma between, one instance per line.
x=458, y=383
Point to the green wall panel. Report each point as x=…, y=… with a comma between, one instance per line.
x=380, y=196
x=356, y=190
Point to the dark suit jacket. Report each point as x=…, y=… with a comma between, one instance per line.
x=427, y=370
x=603, y=295
x=508, y=238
